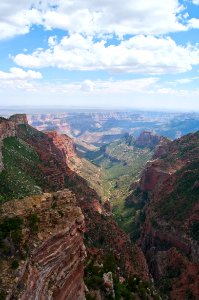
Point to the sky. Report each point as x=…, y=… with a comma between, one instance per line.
x=141, y=54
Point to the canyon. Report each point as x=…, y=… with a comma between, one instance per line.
x=103, y=126
x=57, y=210
x=37, y=163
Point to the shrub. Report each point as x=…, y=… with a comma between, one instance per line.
x=2, y=295
x=195, y=230
x=34, y=222
x=14, y=264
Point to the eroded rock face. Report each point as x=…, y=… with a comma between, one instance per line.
x=147, y=139
x=53, y=268
x=64, y=143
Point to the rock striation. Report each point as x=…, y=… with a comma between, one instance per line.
x=50, y=253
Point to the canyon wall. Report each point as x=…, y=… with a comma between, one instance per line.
x=50, y=253
x=169, y=234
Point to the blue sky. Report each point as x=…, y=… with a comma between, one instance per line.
x=137, y=54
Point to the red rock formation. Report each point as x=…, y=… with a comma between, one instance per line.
x=147, y=139
x=64, y=143
x=53, y=268
x=19, y=119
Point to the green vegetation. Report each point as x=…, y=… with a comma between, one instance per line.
x=121, y=165
x=10, y=234
x=172, y=273
x=190, y=295
x=130, y=289
x=2, y=295
x=14, y=264
x=20, y=163
x=195, y=230
x=34, y=222
x=10, y=225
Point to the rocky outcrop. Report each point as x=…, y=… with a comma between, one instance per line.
x=64, y=143
x=19, y=119
x=147, y=139
x=50, y=253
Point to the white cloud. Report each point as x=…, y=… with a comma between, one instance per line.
x=193, y=23
x=87, y=86
x=92, y=17
x=196, y=2
x=97, y=87
x=184, y=80
x=16, y=17
x=116, y=86
x=18, y=74
x=145, y=93
x=18, y=79
x=132, y=17
x=139, y=54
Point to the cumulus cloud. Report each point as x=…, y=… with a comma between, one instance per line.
x=16, y=17
x=132, y=17
x=117, y=86
x=92, y=17
x=193, y=23
x=139, y=54
x=196, y=2
x=17, y=73
x=17, y=78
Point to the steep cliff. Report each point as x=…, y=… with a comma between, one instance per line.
x=41, y=247
x=170, y=233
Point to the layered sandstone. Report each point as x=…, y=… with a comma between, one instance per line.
x=53, y=267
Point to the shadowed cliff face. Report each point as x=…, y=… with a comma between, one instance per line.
x=170, y=234
x=41, y=248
